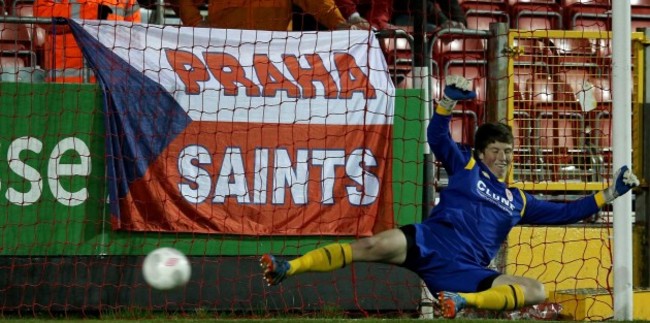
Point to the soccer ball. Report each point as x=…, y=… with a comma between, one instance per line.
x=166, y=268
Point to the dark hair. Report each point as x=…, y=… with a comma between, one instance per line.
x=489, y=133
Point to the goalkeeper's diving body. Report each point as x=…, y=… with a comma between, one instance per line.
x=452, y=248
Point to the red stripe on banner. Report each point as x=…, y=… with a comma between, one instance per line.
x=267, y=179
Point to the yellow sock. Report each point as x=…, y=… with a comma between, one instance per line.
x=328, y=258
x=500, y=298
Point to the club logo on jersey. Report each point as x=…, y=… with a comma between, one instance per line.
x=495, y=198
x=509, y=195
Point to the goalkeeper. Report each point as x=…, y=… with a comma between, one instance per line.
x=451, y=250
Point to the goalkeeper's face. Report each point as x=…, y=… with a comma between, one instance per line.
x=497, y=156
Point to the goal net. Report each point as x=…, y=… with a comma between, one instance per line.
x=227, y=144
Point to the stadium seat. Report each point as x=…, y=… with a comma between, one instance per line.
x=574, y=85
x=531, y=50
x=397, y=51
x=484, y=4
x=587, y=14
x=560, y=145
x=457, y=43
x=591, y=90
x=471, y=69
x=535, y=14
x=640, y=11
x=16, y=34
x=482, y=21
x=640, y=21
x=453, y=47
x=538, y=92
x=36, y=33
x=15, y=41
x=602, y=131
x=14, y=69
x=522, y=73
x=463, y=126
x=600, y=141
x=399, y=59
x=11, y=62
x=533, y=58
x=602, y=90
x=603, y=50
x=640, y=3
x=526, y=166
x=599, y=122
x=573, y=52
x=559, y=131
x=480, y=14
x=520, y=76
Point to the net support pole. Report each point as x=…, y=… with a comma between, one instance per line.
x=422, y=80
x=497, y=81
x=622, y=148
x=642, y=204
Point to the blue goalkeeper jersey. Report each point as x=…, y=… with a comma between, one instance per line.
x=477, y=210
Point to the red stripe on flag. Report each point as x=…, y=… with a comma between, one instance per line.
x=231, y=156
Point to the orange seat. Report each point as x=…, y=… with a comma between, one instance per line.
x=468, y=4
x=639, y=21
x=12, y=33
x=587, y=14
x=640, y=3
x=532, y=50
x=584, y=85
x=36, y=33
x=535, y=14
x=580, y=52
x=602, y=89
x=526, y=165
x=11, y=62
x=560, y=143
x=397, y=51
x=463, y=126
x=640, y=14
x=600, y=138
x=602, y=130
x=399, y=58
x=457, y=47
x=520, y=76
x=15, y=41
x=480, y=13
x=481, y=20
x=539, y=90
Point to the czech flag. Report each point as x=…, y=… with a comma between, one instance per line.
x=244, y=132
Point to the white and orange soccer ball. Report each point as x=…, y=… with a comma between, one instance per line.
x=166, y=268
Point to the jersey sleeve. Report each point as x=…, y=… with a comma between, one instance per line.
x=51, y=8
x=326, y=12
x=538, y=211
x=189, y=13
x=443, y=146
x=347, y=7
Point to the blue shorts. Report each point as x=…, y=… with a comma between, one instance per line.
x=439, y=267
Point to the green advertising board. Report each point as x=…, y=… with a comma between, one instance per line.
x=52, y=180
x=51, y=169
